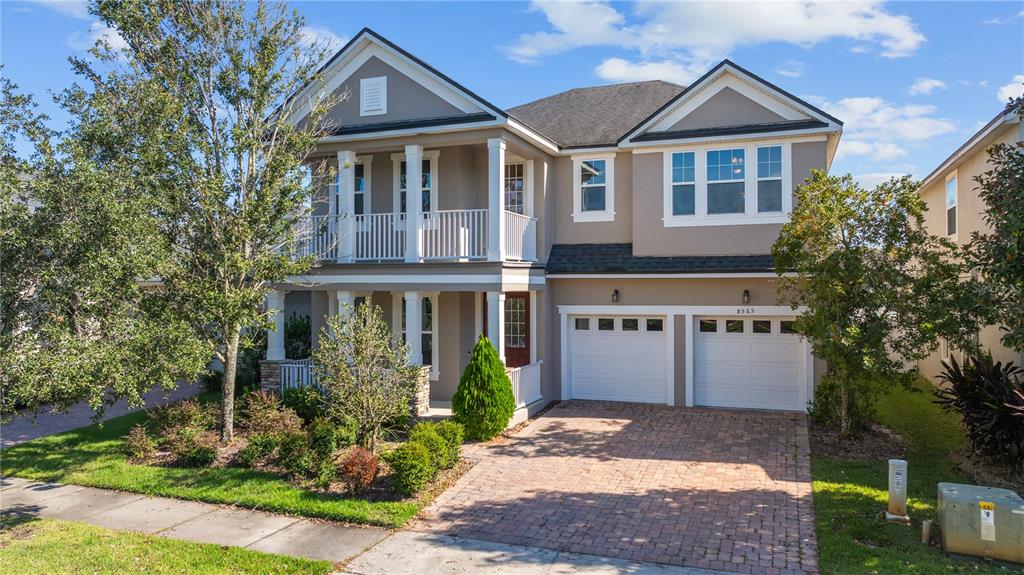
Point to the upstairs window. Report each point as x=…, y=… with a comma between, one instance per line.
x=726, y=177
x=514, y=186
x=373, y=96
x=769, y=179
x=594, y=189
x=684, y=183
x=427, y=182
x=951, y=205
x=361, y=185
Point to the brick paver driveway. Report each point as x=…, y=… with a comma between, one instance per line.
x=718, y=489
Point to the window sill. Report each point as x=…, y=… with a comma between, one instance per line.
x=585, y=217
x=724, y=220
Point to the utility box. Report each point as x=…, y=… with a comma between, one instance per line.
x=982, y=521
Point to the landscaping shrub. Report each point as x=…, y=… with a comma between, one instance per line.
x=306, y=401
x=989, y=397
x=325, y=471
x=452, y=433
x=261, y=446
x=358, y=469
x=295, y=456
x=412, y=467
x=484, y=402
x=138, y=444
x=192, y=446
x=326, y=436
x=186, y=413
x=264, y=414
x=426, y=435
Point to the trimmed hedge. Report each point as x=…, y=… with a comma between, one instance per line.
x=484, y=402
x=412, y=467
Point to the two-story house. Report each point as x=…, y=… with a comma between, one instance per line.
x=956, y=211
x=613, y=242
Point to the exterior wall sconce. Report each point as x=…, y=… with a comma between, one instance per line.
x=615, y=296
x=746, y=296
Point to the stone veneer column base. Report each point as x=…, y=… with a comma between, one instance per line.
x=419, y=403
x=270, y=376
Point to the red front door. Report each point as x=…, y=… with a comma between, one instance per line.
x=517, y=329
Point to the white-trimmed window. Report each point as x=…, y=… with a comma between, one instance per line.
x=951, y=197
x=515, y=187
x=594, y=189
x=361, y=187
x=769, y=179
x=684, y=183
x=373, y=96
x=428, y=181
x=428, y=333
x=727, y=176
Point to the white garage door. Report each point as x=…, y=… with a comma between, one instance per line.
x=618, y=358
x=752, y=363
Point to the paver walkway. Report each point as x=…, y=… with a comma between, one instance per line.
x=361, y=550
x=707, y=488
x=25, y=428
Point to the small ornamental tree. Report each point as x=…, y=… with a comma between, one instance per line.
x=877, y=290
x=484, y=402
x=999, y=252
x=365, y=374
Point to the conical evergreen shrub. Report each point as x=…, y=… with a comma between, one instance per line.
x=484, y=402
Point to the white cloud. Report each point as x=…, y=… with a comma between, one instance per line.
x=791, y=69
x=620, y=70
x=882, y=130
x=311, y=36
x=695, y=35
x=992, y=21
x=97, y=32
x=870, y=180
x=74, y=8
x=1014, y=89
x=926, y=86
x=860, y=50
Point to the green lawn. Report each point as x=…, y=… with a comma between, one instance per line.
x=848, y=497
x=92, y=456
x=50, y=547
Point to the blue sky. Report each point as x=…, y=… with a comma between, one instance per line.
x=911, y=80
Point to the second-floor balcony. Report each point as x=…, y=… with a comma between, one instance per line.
x=442, y=235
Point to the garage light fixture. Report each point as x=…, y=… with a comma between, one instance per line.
x=615, y=296
x=746, y=296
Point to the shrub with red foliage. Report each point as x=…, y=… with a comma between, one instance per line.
x=358, y=469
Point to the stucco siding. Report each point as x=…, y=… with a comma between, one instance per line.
x=726, y=108
x=406, y=98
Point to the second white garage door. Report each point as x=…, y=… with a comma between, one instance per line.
x=618, y=358
x=750, y=363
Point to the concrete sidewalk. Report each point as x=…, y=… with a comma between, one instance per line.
x=25, y=428
x=360, y=550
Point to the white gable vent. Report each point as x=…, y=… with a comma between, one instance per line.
x=373, y=96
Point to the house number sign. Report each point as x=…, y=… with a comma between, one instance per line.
x=745, y=311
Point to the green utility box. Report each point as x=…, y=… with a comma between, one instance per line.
x=982, y=521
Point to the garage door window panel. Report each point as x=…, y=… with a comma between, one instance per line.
x=762, y=325
x=606, y=324
x=734, y=326
x=655, y=324
x=709, y=326
x=582, y=323
x=630, y=324
x=786, y=326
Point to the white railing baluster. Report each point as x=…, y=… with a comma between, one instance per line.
x=525, y=383
x=453, y=234
x=520, y=237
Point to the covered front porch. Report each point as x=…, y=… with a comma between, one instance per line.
x=440, y=336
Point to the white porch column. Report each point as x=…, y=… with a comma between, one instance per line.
x=345, y=301
x=413, y=202
x=496, y=200
x=496, y=321
x=346, y=206
x=414, y=326
x=275, y=337
x=533, y=327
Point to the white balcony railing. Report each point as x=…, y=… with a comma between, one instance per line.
x=317, y=236
x=520, y=237
x=297, y=373
x=525, y=383
x=454, y=234
x=380, y=237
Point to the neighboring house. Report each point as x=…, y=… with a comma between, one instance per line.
x=613, y=242
x=955, y=211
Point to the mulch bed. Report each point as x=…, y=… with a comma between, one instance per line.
x=985, y=471
x=873, y=444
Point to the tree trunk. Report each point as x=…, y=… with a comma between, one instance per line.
x=844, y=410
x=228, y=391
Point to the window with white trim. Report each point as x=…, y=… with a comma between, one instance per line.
x=684, y=183
x=951, y=205
x=373, y=96
x=426, y=328
x=594, y=189
x=769, y=179
x=428, y=181
x=726, y=172
x=359, y=191
x=515, y=188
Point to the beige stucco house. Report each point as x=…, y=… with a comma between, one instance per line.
x=613, y=242
x=956, y=211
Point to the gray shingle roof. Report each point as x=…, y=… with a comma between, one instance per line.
x=619, y=258
x=595, y=116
